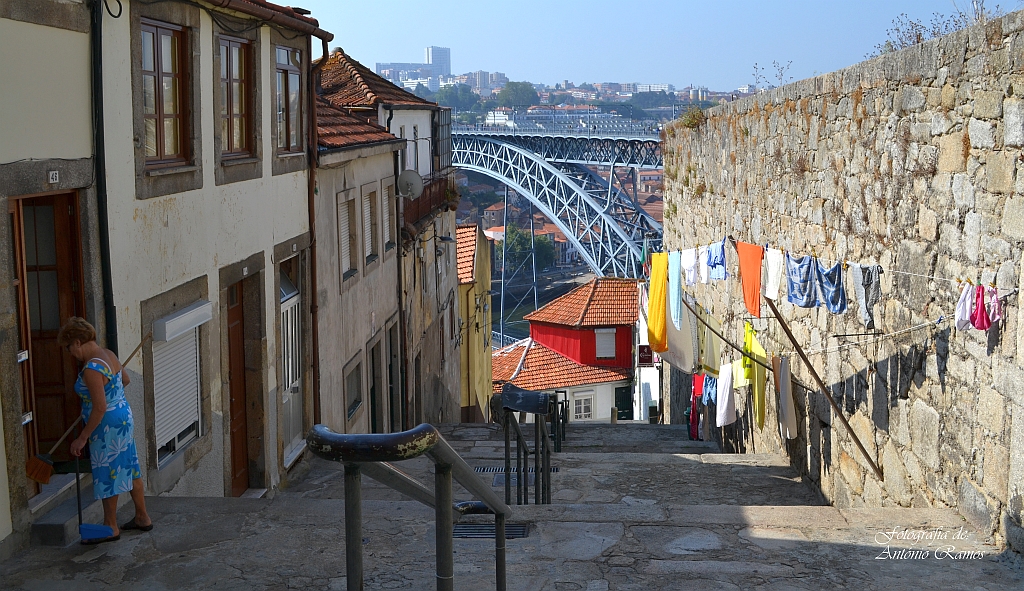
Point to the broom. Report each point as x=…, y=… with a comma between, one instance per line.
x=40, y=467
x=89, y=531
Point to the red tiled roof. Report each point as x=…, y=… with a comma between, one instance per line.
x=348, y=83
x=546, y=369
x=465, y=239
x=605, y=301
x=338, y=129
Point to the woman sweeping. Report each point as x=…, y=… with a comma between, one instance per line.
x=109, y=427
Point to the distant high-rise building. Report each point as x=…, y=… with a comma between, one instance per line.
x=441, y=59
x=655, y=88
x=497, y=79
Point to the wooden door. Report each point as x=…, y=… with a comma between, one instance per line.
x=236, y=379
x=624, y=403
x=49, y=288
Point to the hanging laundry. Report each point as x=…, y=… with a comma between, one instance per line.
x=695, y=325
x=725, y=412
x=702, y=332
x=696, y=392
x=712, y=347
x=751, y=257
x=867, y=286
x=979, y=318
x=802, y=281
x=784, y=387
x=675, y=291
x=702, y=264
x=755, y=372
x=831, y=291
x=774, y=262
x=710, y=390
x=716, y=260
x=964, y=308
x=739, y=373
x=995, y=307
x=656, y=326
x=680, y=353
x=688, y=260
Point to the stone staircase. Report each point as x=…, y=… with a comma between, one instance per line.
x=635, y=507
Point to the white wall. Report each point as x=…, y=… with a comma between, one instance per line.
x=421, y=118
x=161, y=243
x=46, y=110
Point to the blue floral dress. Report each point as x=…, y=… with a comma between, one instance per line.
x=115, y=462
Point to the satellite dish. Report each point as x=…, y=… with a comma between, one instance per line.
x=410, y=184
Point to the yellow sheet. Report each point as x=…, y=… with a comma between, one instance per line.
x=755, y=372
x=657, y=331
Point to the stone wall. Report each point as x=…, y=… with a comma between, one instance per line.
x=911, y=161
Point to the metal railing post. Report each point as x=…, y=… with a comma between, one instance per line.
x=546, y=465
x=353, y=528
x=508, y=461
x=444, y=527
x=499, y=552
x=537, y=423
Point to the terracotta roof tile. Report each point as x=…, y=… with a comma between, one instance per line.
x=348, y=83
x=605, y=301
x=546, y=369
x=338, y=129
x=465, y=239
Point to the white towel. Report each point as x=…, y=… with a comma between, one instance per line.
x=773, y=261
x=702, y=264
x=688, y=260
x=965, y=307
x=725, y=411
x=784, y=386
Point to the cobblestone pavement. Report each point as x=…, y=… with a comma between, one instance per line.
x=684, y=518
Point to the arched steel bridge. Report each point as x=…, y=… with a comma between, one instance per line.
x=604, y=224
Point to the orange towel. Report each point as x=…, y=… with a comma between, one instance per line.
x=751, y=257
x=657, y=330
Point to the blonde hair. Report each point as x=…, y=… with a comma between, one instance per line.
x=76, y=329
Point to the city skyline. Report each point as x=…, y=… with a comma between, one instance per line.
x=570, y=41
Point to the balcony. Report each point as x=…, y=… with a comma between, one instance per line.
x=436, y=191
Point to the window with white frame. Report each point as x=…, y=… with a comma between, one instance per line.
x=605, y=343
x=583, y=406
x=176, y=378
x=415, y=148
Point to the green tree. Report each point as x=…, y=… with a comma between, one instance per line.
x=519, y=248
x=518, y=94
x=460, y=96
x=649, y=100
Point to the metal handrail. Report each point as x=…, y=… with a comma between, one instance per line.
x=371, y=453
x=515, y=399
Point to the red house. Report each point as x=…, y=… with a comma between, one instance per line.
x=592, y=324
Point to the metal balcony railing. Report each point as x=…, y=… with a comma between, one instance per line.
x=543, y=408
x=436, y=190
x=371, y=454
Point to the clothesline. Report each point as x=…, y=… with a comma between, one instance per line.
x=958, y=281
x=881, y=337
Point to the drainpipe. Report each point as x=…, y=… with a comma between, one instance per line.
x=403, y=366
x=313, y=146
x=109, y=310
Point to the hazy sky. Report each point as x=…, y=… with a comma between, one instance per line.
x=713, y=43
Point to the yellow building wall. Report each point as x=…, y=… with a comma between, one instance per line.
x=475, y=314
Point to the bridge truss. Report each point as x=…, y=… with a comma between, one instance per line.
x=606, y=227
x=637, y=152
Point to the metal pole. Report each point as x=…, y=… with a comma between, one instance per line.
x=504, y=263
x=519, y=467
x=546, y=464
x=533, y=255
x=508, y=460
x=824, y=390
x=353, y=528
x=536, y=459
x=443, y=527
x=499, y=552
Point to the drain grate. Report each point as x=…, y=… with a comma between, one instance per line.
x=493, y=469
x=486, y=530
x=499, y=480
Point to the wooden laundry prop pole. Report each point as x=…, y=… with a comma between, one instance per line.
x=824, y=390
x=725, y=340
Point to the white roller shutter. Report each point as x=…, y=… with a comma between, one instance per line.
x=605, y=343
x=175, y=385
x=387, y=214
x=367, y=234
x=343, y=237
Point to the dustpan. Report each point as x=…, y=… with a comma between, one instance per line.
x=88, y=531
x=40, y=468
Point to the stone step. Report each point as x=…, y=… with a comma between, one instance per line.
x=58, y=526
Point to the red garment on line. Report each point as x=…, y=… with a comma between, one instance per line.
x=979, y=318
x=751, y=257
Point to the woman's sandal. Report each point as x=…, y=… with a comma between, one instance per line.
x=132, y=525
